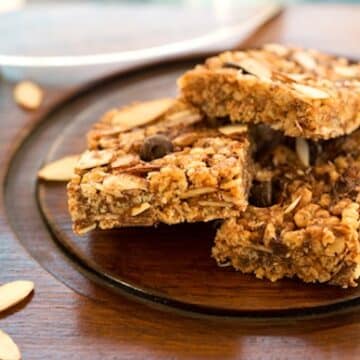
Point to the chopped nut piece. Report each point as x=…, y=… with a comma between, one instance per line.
x=305, y=60
x=141, y=113
x=115, y=184
x=95, y=158
x=233, y=129
x=293, y=205
x=84, y=230
x=125, y=160
x=8, y=349
x=14, y=292
x=137, y=210
x=197, y=192
x=254, y=67
x=310, y=92
x=349, y=71
x=277, y=49
x=59, y=170
x=215, y=203
x=303, y=151
x=28, y=95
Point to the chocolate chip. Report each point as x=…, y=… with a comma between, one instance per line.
x=261, y=194
x=265, y=193
x=155, y=147
x=315, y=150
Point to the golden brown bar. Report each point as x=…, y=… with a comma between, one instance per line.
x=305, y=222
x=159, y=161
x=303, y=93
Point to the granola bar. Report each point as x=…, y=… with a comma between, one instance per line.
x=159, y=161
x=304, y=217
x=303, y=93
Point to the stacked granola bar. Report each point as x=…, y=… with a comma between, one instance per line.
x=265, y=140
x=159, y=161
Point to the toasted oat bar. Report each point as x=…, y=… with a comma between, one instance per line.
x=303, y=93
x=306, y=220
x=170, y=167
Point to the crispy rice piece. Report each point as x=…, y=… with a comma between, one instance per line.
x=312, y=229
x=205, y=175
x=303, y=93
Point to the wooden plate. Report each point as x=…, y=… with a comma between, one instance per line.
x=169, y=264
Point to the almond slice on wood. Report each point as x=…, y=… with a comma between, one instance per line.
x=8, y=349
x=90, y=159
x=233, y=129
x=28, y=95
x=141, y=113
x=14, y=292
x=310, y=92
x=59, y=170
x=303, y=151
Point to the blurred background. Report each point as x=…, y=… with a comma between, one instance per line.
x=99, y=36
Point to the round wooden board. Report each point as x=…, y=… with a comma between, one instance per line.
x=169, y=264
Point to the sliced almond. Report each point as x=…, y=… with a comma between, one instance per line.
x=85, y=229
x=59, y=170
x=197, y=192
x=142, y=168
x=233, y=129
x=293, y=205
x=116, y=184
x=232, y=183
x=125, y=160
x=137, y=210
x=186, y=139
x=350, y=71
x=183, y=118
x=277, y=49
x=14, y=292
x=310, y=92
x=141, y=113
x=254, y=67
x=90, y=159
x=8, y=349
x=303, y=151
x=215, y=203
x=28, y=95
x=305, y=60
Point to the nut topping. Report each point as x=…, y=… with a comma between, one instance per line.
x=141, y=113
x=28, y=95
x=90, y=159
x=310, y=92
x=155, y=147
x=59, y=170
x=303, y=151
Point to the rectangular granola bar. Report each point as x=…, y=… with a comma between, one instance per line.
x=303, y=93
x=304, y=220
x=159, y=161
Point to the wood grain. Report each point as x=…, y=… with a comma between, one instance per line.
x=59, y=323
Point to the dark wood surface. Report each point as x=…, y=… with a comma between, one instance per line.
x=70, y=317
